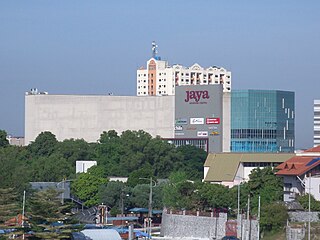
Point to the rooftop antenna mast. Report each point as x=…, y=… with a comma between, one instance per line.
x=154, y=49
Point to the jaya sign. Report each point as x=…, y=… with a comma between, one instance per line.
x=196, y=96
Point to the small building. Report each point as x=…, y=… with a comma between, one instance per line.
x=62, y=187
x=15, y=141
x=230, y=169
x=301, y=174
x=83, y=166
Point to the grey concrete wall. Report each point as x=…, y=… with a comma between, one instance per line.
x=186, y=226
x=87, y=116
x=249, y=229
x=304, y=216
x=226, y=125
x=295, y=233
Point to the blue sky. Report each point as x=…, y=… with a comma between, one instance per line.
x=95, y=47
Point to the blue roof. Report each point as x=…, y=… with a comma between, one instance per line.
x=130, y=218
x=144, y=210
x=313, y=161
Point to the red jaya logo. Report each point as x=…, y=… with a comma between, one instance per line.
x=212, y=120
x=196, y=95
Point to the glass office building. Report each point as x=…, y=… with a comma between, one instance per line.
x=262, y=121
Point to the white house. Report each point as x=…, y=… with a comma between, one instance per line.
x=301, y=174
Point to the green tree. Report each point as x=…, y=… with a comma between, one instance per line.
x=45, y=206
x=9, y=206
x=87, y=185
x=14, y=168
x=265, y=183
x=136, y=175
x=3, y=139
x=110, y=193
x=75, y=149
x=212, y=196
x=193, y=159
x=179, y=192
x=51, y=168
x=44, y=144
x=273, y=217
x=304, y=201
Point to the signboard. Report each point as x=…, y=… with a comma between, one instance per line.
x=212, y=120
x=181, y=121
x=196, y=120
x=178, y=128
x=199, y=111
x=202, y=134
x=179, y=134
x=213, y=133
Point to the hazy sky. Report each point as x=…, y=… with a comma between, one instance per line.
x=95, y=47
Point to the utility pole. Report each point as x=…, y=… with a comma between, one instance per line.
x=238, y=213
x=23, y=206
x=259, y=208
x=150, y=208
x=248, y=218
x=309, y=217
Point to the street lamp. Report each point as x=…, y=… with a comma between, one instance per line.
x=63, y=188
x=122, y=195
x=150, y=204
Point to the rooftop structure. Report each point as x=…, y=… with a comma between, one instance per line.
x=301, y=174
x=159, y=78
x=231, y=169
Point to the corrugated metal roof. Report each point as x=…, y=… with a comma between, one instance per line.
x=224, y=166
x=101, y=234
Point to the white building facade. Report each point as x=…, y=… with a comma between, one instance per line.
x=301, y=175
x=316, y=122
x=87, y=116
x=161, y=79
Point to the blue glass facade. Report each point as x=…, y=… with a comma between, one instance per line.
x=262, y=121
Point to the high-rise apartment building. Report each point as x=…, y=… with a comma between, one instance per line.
x=161, y=79
x=316, y=122
x=262, y=121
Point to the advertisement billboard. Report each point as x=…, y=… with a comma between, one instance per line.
x=198, y=114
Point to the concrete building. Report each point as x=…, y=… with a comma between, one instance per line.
x=231, y=169
x=262, y=121
x=316, y=123
x=161, y=79
x=301, y=175
x=87, y=116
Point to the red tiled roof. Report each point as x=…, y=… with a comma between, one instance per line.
x=314, y=149
x=298, y=165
